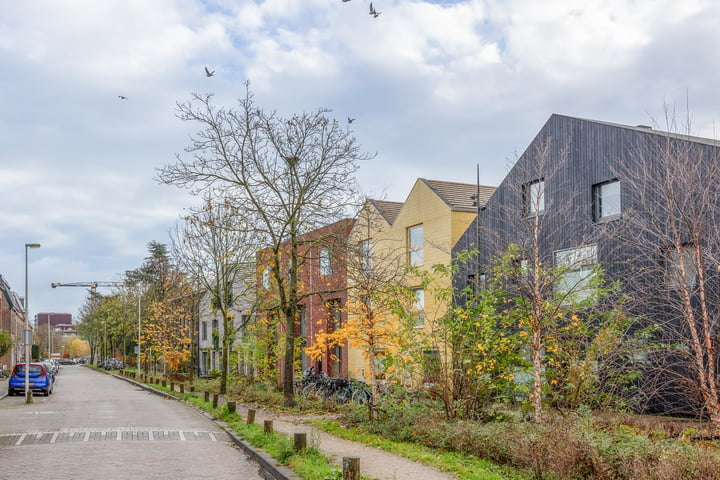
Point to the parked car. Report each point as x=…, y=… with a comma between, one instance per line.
x=40, y=380
x=66, y=361
x=113, y=364
x=51, y=367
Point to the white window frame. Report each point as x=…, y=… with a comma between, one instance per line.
x=416, y=243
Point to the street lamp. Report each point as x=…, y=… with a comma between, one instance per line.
x=27, y=338
x=138, y=340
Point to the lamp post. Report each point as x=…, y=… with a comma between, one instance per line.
x=138, y=339
x=27, y=337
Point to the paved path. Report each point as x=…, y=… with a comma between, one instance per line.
x=374, y=463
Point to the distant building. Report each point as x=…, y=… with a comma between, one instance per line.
x=55, y=319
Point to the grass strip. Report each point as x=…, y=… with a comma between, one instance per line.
x=462, y=466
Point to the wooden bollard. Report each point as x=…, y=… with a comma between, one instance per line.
x=300, y=441
x=268, y=425
x=351, y=468
x=250, y=417
x=182, y=388
x=164, y=383
x=172, y=386
x=215, y=400
x=231, y=406
x=207, y=395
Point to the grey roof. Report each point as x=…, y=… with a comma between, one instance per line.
x=460, y=196
x=389, y=210
x=647, y=129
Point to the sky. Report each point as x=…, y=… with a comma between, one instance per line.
x=436, y=88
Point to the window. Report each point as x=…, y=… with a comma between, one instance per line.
x=419, y=307
x=606, y=201
x=204, y=330
x=415, y=245
x=266, y=278
x=577, y=264
x=534, y=197
x=678, y=274
x=325, y=262
x=366, y=253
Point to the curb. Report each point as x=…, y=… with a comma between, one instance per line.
x=265, y=461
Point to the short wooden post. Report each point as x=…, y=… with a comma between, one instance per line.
x=231, y=406
x=351, y=468
x=164, y=383
x=182, y=388
x=250, y=416
x=207, y=395
x=268, y=425
x=300, y=441
x=215, y=400
x=172, y=386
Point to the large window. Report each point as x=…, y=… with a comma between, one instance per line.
x=419, y=307
x=534, y=197
x=680, y=272
x=415, y=239
x=606, y=201
x=325, y=262
x=577, y=266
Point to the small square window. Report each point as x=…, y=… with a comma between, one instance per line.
x=606, y=201
x=534, y=197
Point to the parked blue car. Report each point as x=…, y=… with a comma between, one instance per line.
x=40, y=380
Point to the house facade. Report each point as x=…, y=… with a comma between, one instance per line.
x=322, y=295
x=600, y=194
x=12, y=320
x=211, y=329
x=419, y=232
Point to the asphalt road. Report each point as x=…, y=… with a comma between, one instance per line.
x=96, y=426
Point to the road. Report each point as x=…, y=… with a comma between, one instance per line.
x=97, y=426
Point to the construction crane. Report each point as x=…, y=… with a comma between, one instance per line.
x=91, y=285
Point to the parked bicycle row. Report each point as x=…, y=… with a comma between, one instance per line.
x=339, y=390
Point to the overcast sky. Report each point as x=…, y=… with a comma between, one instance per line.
x=436, y=87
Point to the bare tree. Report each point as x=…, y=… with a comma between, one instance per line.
x=547, y=265
x=217, y=253
x=670, y=229
x=287, y=176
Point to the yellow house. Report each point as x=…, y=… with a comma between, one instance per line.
x=420, y=232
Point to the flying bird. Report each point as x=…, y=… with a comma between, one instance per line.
x=208, y=73
x=374, y=12
x=350, y=120
x=122, y=97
